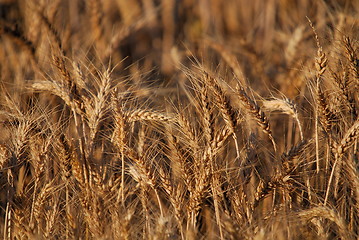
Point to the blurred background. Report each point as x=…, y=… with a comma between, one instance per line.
x=270, y=41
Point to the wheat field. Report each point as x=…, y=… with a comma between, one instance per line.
x=164, y=119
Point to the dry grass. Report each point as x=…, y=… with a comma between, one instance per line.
x=179, y=119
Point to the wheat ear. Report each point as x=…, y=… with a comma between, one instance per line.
x=329, y=214
x=321, y=66
x=256, y=113
x=229, y=115
x=286, y=106
x=347, y=141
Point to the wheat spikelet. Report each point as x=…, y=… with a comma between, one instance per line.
x=4, y=156
x=350, y=171
x=321, y=62
x=220, y=139
x=143, y=174
x=197, y=196
x=201, y=184
x=50, y=221
x=178, y=157
x=228, y=113
x=261, y=191
x=326, y=116
x=329, y=214
x=90, y=202
x=342, y=82
x=293, y=153
x=77, y=168
x=97, y=110
x=174, y=195
x=68, y=80
x=188, y=131
x=8, y=222
x=321, y=59
x=347, y=141
x=38, y=149
x=65, y=157
x=44, y=194
x=352, y=58
x=20, y=224
x=208, y=121
x=256, y=113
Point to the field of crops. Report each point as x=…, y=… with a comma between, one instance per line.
x=189, y=119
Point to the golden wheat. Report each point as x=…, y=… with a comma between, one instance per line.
x=179, y=119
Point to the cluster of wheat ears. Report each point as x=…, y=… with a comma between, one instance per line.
x=179, y=120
